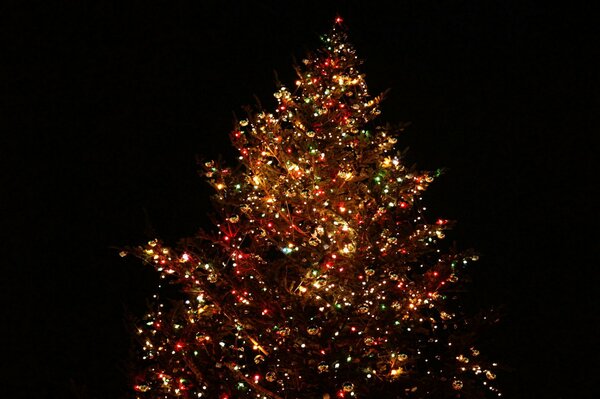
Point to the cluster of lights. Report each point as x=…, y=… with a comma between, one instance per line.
x=323, y=277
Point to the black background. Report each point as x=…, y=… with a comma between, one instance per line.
x=107, y=105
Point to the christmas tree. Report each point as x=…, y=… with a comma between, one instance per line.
x=322, y=277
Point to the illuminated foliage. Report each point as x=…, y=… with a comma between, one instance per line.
x=323, y=278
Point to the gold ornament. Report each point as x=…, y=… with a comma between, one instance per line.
x=445, y=316
x=212, y=278
x=387, y=162
x=271, y=376
x=348, y=387
x=310, y=133
x=313, y=330
x=200, y=337
x=394, y=277
x=369, y=272
x=462, y=359
x=323, y=367
x=234, y=219
x=246, y=209
x=369, y=341
x=363, y=309
x=259, y=359
x=284, y=332
x=320, y=282
x=142, y=388
x=457, y=385
x=345, y=175
x=489, y=375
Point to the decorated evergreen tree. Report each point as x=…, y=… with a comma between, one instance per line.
x=322, y=277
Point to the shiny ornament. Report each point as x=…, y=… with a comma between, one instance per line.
x=200, y=337
x=402, y=357
x=246, y=209
x=234, y=219
x=310, y=133
x=394, y=276
x=462, y=359
x=457, y=385
x=489, y=375
x=369, y=341
x=363, y=309
x=445, y=316
x=313, y=330
x=244, y=122
x=259, y=359
x=212, y=277
x=348, y=387
x=271, y=376
x=284, y=332
x=142, y=388
x=369, y=271
x=323, y=367
x=320, y=282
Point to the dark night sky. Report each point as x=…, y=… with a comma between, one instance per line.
x=108, y=105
